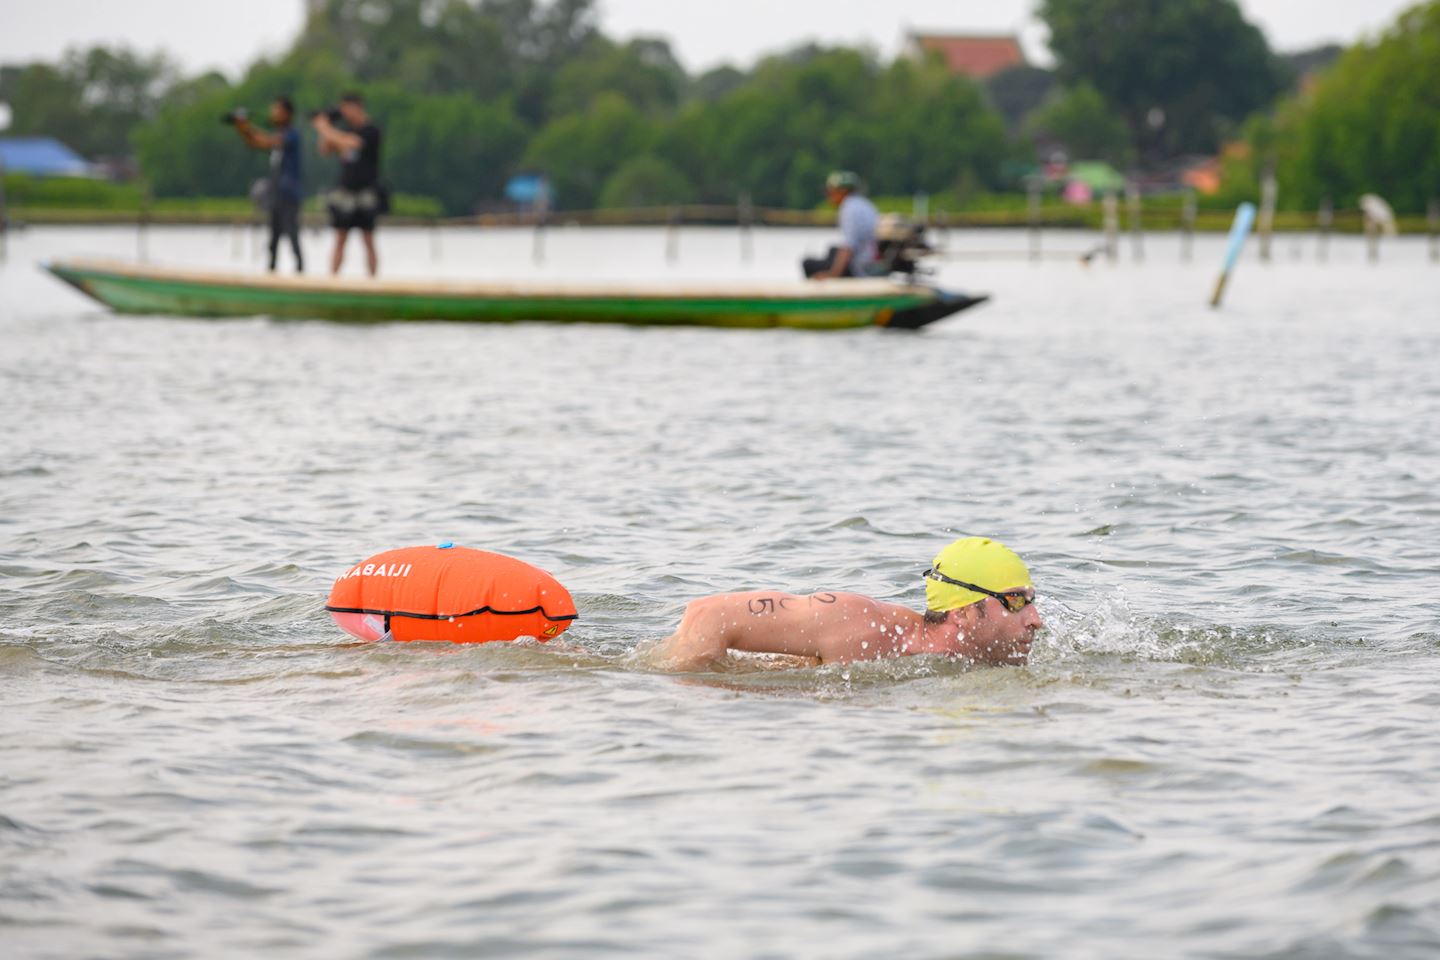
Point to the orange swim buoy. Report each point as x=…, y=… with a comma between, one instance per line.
x=449, y=593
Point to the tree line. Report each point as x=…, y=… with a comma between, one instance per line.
x=471, y=92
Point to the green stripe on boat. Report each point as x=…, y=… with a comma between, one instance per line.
x=822, y=305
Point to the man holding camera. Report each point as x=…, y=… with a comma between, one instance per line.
x=285, y=186
x=359, y=198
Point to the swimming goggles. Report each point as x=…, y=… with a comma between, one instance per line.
x=1014, y=600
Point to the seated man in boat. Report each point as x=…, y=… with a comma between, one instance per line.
x=980, y=605
x=858, y=253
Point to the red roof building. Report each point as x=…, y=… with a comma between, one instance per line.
x=975, y=55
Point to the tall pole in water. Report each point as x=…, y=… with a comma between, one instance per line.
x=672, y=236
x=1323, y=220
x=747, y=217
x=4, y=213
x=1033, y=215
x=142, y=225
x=542, y=211
x=1187, y=226
x=1111, y=207
x=1432, y=218
x=1137, y=238
x=1239, y=230
x=1268, y=191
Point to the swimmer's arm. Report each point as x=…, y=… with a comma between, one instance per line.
x=686, y=652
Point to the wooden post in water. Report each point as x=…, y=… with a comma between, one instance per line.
x=4, y=214
x=1137, y=238
x=1432, y=219
x=1187, y=226
x=1111, y=207
x=920, y=209
x=542, y=213
x=1032, y=216
x=1324, y=219
x=747, y=219
x=942, y=225
x=672, y=236
x=1268, y=191
x=142, y=224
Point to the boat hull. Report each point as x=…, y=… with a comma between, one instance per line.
x=134, y=289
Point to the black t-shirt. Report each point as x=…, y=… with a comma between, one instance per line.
x=361, y=168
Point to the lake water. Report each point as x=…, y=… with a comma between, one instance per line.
x=1225, y=744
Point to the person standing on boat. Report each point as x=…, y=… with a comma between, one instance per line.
x=858, y=253
x=286, y=188
x=359, y=198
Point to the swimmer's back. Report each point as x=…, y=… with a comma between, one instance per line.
x=828, y=626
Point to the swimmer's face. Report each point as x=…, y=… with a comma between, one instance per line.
x=992, y=634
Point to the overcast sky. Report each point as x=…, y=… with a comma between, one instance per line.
x=204, y=34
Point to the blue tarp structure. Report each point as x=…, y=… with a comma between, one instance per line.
x=41, y=157
x=528, y=189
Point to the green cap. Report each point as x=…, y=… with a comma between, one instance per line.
x=843, y=180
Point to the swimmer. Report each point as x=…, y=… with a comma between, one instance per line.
x=980, y=605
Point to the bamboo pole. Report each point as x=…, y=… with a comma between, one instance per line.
x=142, y=225
x=672, y=236
x=746, y=210
x=4, y=215
x=1432, y=219
x=1324, y=220
x=1268, y=192
x=1187, y=227
x=1033, y=217
x=542, y=214
x=1111, y=207
x=1137, y=237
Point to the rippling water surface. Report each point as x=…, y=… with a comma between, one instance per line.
x=1225, y=744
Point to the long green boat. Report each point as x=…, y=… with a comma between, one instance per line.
x=814, y=305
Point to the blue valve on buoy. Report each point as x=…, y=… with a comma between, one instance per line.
x=447, y=545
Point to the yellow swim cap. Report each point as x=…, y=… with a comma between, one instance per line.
x=977, y=560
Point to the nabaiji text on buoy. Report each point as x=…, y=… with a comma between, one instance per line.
x=449, y=593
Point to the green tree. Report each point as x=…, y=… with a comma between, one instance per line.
x=1182, y=73
x=644, y=72
x=91, y=100
x=645, y=181
x=1080, y=119
x=907, y=126
x=1018, y=91
x=1372, y=123
x=579, y=152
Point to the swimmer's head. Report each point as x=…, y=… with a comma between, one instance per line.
x=991, y=588
x=974, y=562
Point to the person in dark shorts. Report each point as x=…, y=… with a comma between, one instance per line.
x=286, y=188
x=358, y=199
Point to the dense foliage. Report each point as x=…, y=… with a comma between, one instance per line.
x=1372, y=124
x=91, y=100
x=608, y=123
x=1182, y=73
x=471, y=92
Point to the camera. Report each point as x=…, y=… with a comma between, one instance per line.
x=331, y=113
x=235, y=116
